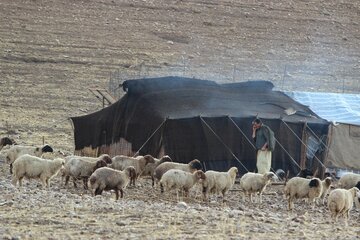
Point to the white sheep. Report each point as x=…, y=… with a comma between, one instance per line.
x=340, y=202
x=79, y=168
x=326, y=184
x=34, y=167
x=218, y=182
x=150, y=167
x=252, y=183
x=298, y=187
x=349, y=180
x=18, y=150
x=139, y=163
x=166, y=166
x=180, y=180
x=110, y=179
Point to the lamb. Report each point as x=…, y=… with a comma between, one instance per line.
x=326, y=184
x=34, y=167
x=255, y=183
x=340, y=202
x=110, y=179
x=298, y=187
x=79, y=168
x=18, y=150
x=218, y=182
x=349, y=180
x=139, y=163
x=164, y=167
x=180, y=180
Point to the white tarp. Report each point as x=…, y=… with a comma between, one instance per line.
x=335, y=107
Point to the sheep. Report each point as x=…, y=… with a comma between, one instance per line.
x=110, y=179
x=180, y=180
x=218, y=182
x=340, y=202
x=6, y=141
x=255, y=183
x=326, y=184
x=349, y=180
x=280, y=174
x=18, y=150
x=150, y=167
x=34, y=167
x=81, y=168
x=298, y=187
x=164, y=167
x=139, y=163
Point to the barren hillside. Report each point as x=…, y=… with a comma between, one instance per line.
x=52, y=51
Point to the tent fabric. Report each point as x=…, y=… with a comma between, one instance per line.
x=335, y=107
x=344, y=147
x=187, y=104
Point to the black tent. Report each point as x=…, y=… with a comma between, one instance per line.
x=189, y=118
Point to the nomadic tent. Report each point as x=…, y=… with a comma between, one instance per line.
x=189, y=118
x=343, y=111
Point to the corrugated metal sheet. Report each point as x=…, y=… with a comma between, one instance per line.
x=335, y=107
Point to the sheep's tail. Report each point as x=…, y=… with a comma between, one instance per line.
x=314, y=183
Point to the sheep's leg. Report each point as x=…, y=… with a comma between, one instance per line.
x=20, y=181
x=223, y=195
x=116, y=193
x=85, y=179
x=11, y=167
x=14, y=181
x=251, y=197
x=204, y=190
x=98, y=191
x=161, y=188
x=66, y=180
x=290, y=203
x=152, y=181
x=74, y=181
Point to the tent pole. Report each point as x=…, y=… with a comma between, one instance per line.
x=223, y=143
x=302, y=142
x=275, y=140
x=137, y=152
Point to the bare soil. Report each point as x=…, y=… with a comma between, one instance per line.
x=52, y=51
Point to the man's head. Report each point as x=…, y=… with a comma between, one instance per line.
x=256, y=123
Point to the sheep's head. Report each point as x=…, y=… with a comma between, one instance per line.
x=328, y=181
x=46, y=148
x=106, y=158
x=200, y=175
x=354, y=191
x=100, y=164
x=195, y=164
x=280, y=174
x=131, y=172
x=270, y=176
x=149, y=159
x=314, y=182
x=233, y=171
x=166, y=158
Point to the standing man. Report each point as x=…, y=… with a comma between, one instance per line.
x=265, y=143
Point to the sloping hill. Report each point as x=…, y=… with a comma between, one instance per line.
x=52, y=51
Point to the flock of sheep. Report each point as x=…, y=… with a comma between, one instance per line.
x=105, y=173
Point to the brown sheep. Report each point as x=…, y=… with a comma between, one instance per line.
x=110, y=179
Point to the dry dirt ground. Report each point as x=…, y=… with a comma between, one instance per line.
x=52, y=51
